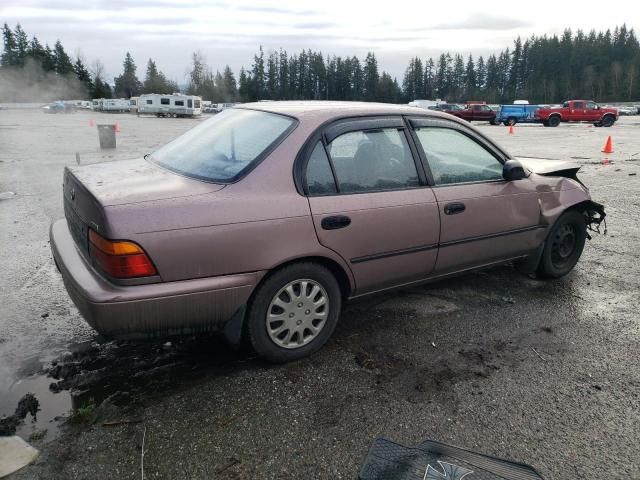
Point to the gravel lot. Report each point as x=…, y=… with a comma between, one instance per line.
x=541, y=372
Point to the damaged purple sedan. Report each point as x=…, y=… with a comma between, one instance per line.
x=264, y=220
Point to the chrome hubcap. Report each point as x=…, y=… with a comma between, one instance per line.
x=297, y=313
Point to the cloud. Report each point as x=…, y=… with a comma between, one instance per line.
x=277, y=10
x=313, y=25
x=484, y=22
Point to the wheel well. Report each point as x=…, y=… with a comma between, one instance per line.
x=334, y=267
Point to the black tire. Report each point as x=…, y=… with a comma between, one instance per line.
x=563, y=246
x=545, y=123
x=256, y=324
x=608, y=121
x=554, y=121
x=510, y=121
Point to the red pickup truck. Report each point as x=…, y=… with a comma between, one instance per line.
x=577, y=111
x=472, y=111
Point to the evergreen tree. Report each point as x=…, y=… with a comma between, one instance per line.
x=470, y=80
x=62, y=61
x=198, y=73
x=429, y=79
x=127, y=85
x=155, y=81
x=371, y=78
x=258, y=76
x=22, y=45
x=229, y=85
x=9, y=56
x=245, y=86
x=83, y=75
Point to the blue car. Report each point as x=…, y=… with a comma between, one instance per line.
x=512, y=114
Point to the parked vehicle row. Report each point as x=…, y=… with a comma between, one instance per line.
x=265, y=219
x=521, y=112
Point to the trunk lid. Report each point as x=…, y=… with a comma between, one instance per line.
x=89, y=190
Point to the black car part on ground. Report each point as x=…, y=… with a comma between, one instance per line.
x=431, y=460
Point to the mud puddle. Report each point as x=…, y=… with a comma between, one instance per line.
x=115, y=378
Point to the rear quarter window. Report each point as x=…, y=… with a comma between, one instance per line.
x=225, y=147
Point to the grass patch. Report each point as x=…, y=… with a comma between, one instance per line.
x=38, y=435
x=84, y=414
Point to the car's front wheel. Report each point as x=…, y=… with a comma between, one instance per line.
x=608, y=121
x=294, y=312
x=564, y=245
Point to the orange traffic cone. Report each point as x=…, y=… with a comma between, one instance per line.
x=117, y=127
x=92, y=122
x=510, y=129
x=608, y=147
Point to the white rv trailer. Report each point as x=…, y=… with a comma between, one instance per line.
x=115, y=105
x=174, y=105
x=133, y=104
x=96, y=104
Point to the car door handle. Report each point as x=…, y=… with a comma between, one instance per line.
x=453, y=208
x=335, y=222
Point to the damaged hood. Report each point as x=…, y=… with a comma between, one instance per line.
x=546, y=166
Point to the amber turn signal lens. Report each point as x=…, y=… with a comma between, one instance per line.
x=120, y=259
x=113, y=248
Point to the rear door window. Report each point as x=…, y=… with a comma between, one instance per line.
x=319, y=176
x=453, y=157
x=373, y=160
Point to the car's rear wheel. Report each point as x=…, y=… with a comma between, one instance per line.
x=564, y=245
x=554, y=121
x=294, y=312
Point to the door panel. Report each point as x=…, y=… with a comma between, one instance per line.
x=371, y=207
x=392, y=238
x=483, y=218
x=500, y=221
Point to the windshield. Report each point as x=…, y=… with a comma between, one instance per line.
x=224, y=147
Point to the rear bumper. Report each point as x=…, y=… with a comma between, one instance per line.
x=157, y=309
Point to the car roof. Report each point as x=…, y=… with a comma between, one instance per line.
x=324, y=110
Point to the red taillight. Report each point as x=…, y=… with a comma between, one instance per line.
x=120, y=259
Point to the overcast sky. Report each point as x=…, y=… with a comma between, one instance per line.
x=229, y=32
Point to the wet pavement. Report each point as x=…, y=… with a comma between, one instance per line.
x=541, y=372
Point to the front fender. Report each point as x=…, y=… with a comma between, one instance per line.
x=555, y=198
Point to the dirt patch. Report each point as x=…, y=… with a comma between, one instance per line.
x=375, y=358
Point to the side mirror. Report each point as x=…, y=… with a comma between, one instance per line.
x=513, y=170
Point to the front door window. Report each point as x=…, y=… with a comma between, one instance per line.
x=453, y=157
